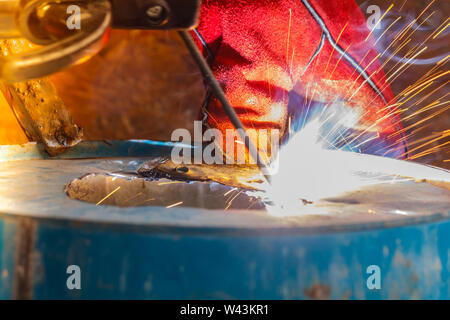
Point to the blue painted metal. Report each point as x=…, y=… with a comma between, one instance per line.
x=124, y=253
x=8, y=231
x=414, y=262
x=88, y=149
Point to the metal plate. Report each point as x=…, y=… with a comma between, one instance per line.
x=195, y=253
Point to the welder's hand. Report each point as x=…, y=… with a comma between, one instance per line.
x=253, y=44
x=261, y=50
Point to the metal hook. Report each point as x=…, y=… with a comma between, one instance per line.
x=55, y=54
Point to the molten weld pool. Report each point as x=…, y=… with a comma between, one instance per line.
x=164, y=239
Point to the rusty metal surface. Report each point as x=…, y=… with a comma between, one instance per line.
x=39, y=109
x=194, y=253
x=24, y=250
x=142, y=85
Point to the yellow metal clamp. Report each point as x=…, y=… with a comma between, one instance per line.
x=45, y=23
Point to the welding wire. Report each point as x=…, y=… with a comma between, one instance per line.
x=218, y=92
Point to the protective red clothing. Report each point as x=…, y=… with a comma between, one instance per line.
x=263, y=50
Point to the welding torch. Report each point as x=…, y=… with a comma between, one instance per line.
x=61, y=42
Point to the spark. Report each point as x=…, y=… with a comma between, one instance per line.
x=365, y=81
x=420, y=90
x=429, y=151
x=339, y=60
x=368, y=140
x=372, y=126
x=419, y=25
x=425, y=82
x=309, y=105
x=401, y=7
x=284, y=192
x=405, y=31
x=404, y=101
x=393, y=53
x=231, y=195
x=380, y=68
x=174, y=205
x=392, y=146
x=426, y=108
x=288, y=35
x=435, y=30
x=381, y=36
x=441, y=31
x=441, y=136
x=111, y=193
x=231, y=201
x=406, y=64
x=418, y=82
x=337, y=41
x=420, y=121
x=443, y=59
x=368, y=51
x=148, y=200
x=170, y=182
x=253, y=202
x=229, y=191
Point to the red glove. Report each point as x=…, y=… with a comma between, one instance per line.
x=260, y=50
